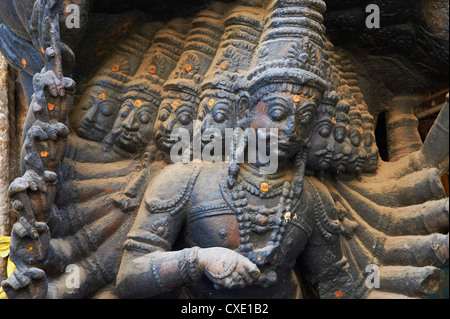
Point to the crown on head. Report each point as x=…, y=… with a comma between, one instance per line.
x=292, y=46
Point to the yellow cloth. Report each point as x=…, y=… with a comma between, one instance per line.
x=4, y=252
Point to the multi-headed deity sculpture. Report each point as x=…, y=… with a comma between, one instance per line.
x=110, y=185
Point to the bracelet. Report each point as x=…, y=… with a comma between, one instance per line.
x=192, y=263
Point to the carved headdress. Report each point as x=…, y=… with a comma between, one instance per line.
x=292, y=46
x=243, y=27
x=199, y=50
x=159, y=62
x=164, y=54
x=125, y=61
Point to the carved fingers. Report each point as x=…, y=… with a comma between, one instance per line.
x=29, y=242
x=30, y=180
x=419, y=219
x=412, y=249
x=26, y=283
x=227, y=269
x=51, y=96
x=43, y=146
x=50, y=81
x=407, y=242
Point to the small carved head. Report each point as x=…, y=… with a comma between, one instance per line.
x=99, y=108
x=137, y=117
x=216, y=114
x=322, y=140
x=177, y=111
x=370, y=146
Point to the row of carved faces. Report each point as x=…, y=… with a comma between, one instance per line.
x=336, y=142
x=343, y=143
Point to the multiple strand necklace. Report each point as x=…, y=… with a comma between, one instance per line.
x=262, y=219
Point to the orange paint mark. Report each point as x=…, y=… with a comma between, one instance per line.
x=24, y=63
x=102, y=96
x=264, y=187
x=42, y=50
x=297, y=99
x=338, y=294
x=44, y=154
x=361, y=131
x=51, y=106
x=333, y=120
x=138, y=103
x=115, y=68
x=211, y=102
x=224, y=65
x=188, y=67
x=175, y=104
x=152, y=69
x=348, y=128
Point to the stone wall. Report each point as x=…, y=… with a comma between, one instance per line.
x=4, y=153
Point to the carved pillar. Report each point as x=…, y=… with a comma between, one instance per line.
x=403, y=136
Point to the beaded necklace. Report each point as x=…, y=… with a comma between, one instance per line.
x=260, y=220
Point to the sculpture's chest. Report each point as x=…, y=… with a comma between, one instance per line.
x=213, y=221
x=213, y=224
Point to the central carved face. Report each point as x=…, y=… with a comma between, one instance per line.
x=138, y=118
x=174, y=114
x=292, y=114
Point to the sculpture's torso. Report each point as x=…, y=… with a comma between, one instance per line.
x=212, y=221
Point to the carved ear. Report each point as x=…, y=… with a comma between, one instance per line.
x=242, y=106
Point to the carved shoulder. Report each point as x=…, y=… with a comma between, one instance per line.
x=170, y=190
x=323, y=208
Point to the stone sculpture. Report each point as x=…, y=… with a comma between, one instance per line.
x=100, y=191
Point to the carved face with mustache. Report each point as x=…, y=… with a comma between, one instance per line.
x=322, y=141
x=174, y=113
x=216, y=114
x=292, y=111
x=136, y=131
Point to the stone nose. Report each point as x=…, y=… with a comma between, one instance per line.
x=169, y=124
x=130, y=122
x=206, y=123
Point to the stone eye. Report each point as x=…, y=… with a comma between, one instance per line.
x=92, y=101
x=144, y=118
x=278, y=114
x=164, y=116
x=368, y=140
x=325, y=131
x=306, y=118
x=184, y=119
x=220, y=117
x=107, y=109
x=124, y=115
